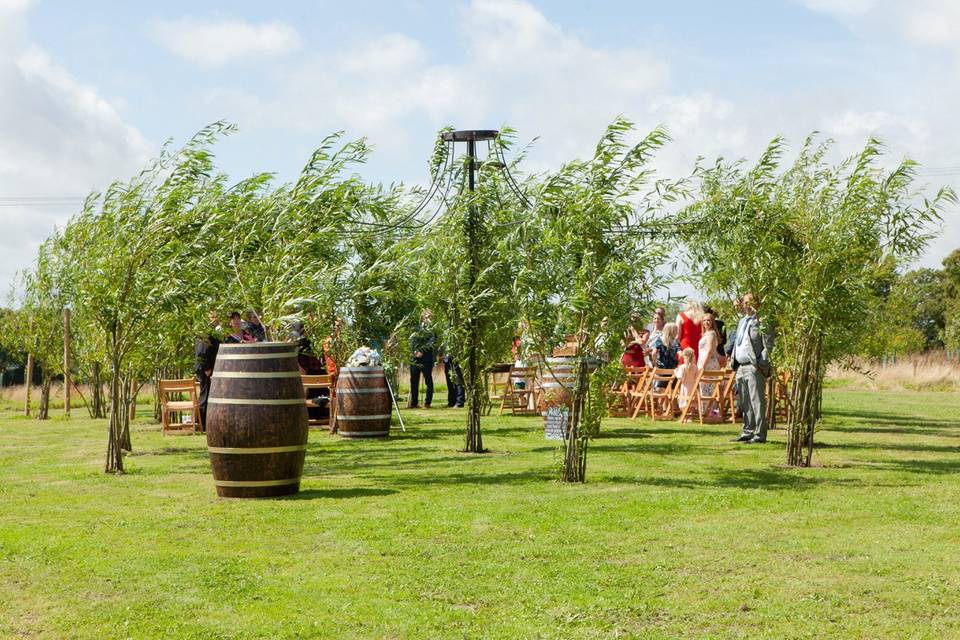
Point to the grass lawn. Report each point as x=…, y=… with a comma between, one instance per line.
x=678, y=533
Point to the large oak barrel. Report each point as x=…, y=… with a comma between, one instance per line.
x=363, y=403
x=256, y=420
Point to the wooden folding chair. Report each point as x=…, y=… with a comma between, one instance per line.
x=618, y=394
x=640, y=393
x=172, y=402
x=521, y=398
x=663, y=394
x=498, y=379
x=707, y=397
x=730, y=395
x=319, y=382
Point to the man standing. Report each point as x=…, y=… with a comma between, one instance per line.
x=454, y=376
x=423, y=343
x=206, y=354
x=751, y=361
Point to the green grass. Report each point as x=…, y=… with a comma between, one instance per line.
x=678, y=533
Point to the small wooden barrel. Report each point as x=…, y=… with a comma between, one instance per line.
x=256, y=420
x=363, y=403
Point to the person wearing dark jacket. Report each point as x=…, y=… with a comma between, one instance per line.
x=206, y=356
x=423, y=343
x=255, y=327
x=454, y=376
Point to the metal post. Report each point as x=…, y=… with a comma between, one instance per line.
x=66, y=362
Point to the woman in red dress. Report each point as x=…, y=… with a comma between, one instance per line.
x=689, y=322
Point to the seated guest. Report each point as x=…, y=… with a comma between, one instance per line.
x=667, y=347
x=634, y=355
x=254, y=327
x=237, y=333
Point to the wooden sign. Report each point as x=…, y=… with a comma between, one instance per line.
x=555, y=423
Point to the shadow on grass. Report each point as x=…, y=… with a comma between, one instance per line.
x=760, y=479
x=340, y=494
x=875, y=422
x=930, y=448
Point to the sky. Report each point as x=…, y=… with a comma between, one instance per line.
x=89, y=91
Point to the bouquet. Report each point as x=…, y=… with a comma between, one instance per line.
x=364, y=357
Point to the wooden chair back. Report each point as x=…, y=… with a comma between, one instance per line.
x=173, y=403
x=521, y=400
x=730, y=395
x=320, y=381
x=663, y=394
x=710, y=399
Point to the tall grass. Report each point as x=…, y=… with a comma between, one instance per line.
x=932, y=371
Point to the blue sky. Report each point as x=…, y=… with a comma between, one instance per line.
x=89, y=90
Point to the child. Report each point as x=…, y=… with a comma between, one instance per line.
x=687, y=373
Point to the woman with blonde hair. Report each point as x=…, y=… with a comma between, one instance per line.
x=708, y=357
x=667, y=348
x=688, y=322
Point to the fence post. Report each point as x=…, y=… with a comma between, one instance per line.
x=66, y=362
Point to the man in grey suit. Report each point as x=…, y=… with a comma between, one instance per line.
x=751, y=361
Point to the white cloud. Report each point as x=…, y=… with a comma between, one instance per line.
x=58, y=137
x=213, y=42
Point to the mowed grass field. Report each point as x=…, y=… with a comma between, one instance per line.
x=678, y=533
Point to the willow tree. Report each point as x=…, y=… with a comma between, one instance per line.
x=589, y=264
x=810, y=240
x=36, y=327
x=283, y=249
x=131, y=243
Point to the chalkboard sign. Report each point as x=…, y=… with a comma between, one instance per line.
x=555, y=423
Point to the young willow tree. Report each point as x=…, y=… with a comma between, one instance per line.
x=811, y=240
x=282, y=249
x=131, y=246
x=589, y=260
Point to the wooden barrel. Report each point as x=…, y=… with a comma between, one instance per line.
x=256, y=420
x=560, y=372
x=363, y=403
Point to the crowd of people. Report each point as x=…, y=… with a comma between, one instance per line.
x=697, y=341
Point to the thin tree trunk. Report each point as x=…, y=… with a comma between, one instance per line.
x=806, y=398
x=575, y=450
x=28, y=380
x=114, y=463
x=44, y=411
x=129, y=409
x=96, y=397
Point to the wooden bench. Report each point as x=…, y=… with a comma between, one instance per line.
x=178, y=405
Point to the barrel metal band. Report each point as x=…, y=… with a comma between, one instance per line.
x=260, y=401
x=256, y=483
x=376, y=417
x=254, y=450
x=257, y=345
x=362, y=370
x=256, y=356
x=352, y=376
x=341, y=392
x=368, y=434
x=256, y=374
